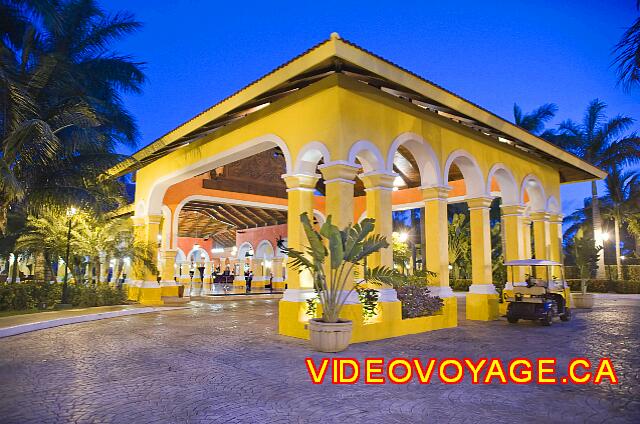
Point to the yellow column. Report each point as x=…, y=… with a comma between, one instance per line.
x=145, y=288
x=436, y=255
x=300, y=189
x=292, y=307
x=257, y=266
x=379, y=190
x=339, y=179
x=555, y=242
x=541, y=240
x=526, y=237
x=482, y=300
x=436, y=229
x=512, y=216
x=167, y=273
x=278, y=281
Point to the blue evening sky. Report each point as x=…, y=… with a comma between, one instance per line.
x=493, y=53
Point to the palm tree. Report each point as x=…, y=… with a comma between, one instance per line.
x=620, y=201
x=92, y=238
x=61, y=114
x=604, y=143
x=627, y=57
x=459, y=245
x=535, y=120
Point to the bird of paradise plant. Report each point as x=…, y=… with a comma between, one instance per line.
x=344, y=250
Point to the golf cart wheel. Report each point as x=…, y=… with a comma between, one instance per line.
x=512, y=320
x=548, y=319
x=566, y=316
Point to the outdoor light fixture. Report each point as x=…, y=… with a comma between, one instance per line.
x=267, y=264
x=450, y=267
x=605, y=236
x=403, y=237
x=622, y=257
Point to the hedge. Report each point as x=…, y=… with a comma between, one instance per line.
x=460, y=285
x=40, y=295
x=607, y=286
x=629, y=272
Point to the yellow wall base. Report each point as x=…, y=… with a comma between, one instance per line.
x=151, y=296
x=278, y=285
x=388, y=323
x=169, y=291
x=482, y=307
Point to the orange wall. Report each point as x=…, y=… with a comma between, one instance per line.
x=256, y=235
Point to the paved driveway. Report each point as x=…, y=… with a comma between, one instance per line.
x=224, y=363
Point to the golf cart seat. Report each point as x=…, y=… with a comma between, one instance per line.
x=531, y=291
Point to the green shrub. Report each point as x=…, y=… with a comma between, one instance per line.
x=418, y=302
x=28, y=295
x=32, y=295
x=607, y=286
x=91, y=295
x=460, y=285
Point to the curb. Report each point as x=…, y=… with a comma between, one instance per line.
x=41, y=325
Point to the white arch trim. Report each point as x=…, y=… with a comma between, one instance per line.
x=264, y=250
x=424, y=155
x=167, y=225
x=180, y=256
x=368, y=154
x=309, y=156
x=199, y=250
x=507, y=182
x=532, y=185
x=553, y=206
x=471, y=171
x=319, y=216
x=243, y=249
x=214, y=199
x=244, y=150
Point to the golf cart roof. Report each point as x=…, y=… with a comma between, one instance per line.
x=532, y=262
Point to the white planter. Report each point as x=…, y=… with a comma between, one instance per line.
x=329, y=336
x=582, y=301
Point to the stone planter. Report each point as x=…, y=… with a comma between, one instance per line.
x=582, y=301
x=329, y=336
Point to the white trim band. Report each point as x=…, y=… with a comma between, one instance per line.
x=482, y=289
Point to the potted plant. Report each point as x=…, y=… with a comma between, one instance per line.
x=586, y=255
x=333, y=281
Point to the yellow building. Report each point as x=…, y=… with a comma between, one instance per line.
x=353, y=135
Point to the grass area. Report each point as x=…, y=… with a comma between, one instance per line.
x=22, y=312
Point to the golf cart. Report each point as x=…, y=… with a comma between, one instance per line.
x=542, y=296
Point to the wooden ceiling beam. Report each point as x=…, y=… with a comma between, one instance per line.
x=239, y=213
x=256, y=216
x=224, y=212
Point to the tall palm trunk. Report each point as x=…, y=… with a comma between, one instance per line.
x=616, y=222
x=597, y=230
x=14, y=269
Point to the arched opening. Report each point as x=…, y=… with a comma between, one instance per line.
x=416, y=166
x=474, y=232
x=505, y=243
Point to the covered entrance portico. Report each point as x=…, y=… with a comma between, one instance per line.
x=339, y=131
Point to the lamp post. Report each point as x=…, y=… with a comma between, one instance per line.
x=70, y=213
